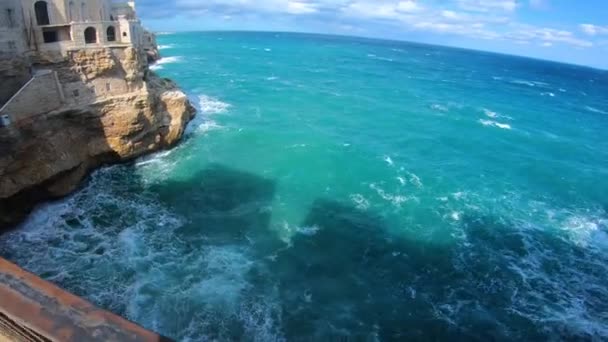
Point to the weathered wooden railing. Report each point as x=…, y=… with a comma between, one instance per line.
x=32, y=309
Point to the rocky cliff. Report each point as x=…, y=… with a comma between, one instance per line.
x=48, y=156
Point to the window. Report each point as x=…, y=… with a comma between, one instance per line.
x=10, y=19
x=90, y=35
x=124, y=34
x=76, y=93
x=12, y=46
x=111, y=34
x=50, y=36
x=108, y=86
x=42, y=13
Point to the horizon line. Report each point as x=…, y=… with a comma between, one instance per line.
x=602, y=69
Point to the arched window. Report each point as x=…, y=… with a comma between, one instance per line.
x=111, y=34
x=90, y=35
x=42, y=13
x=71, y=11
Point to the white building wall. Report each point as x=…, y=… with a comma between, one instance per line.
x=12, y=39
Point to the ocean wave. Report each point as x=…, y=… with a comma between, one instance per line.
x=439, y=108
x=380, y=58
x=395, y=199
x=414, y=179
x=165, y=47
x=360, y=201
x=595, y=110
x=165, y=60
x=210, y=105
x=208, y=126
x=495, y=124
x=489, y=113
x=529, y=83
x=547, y=93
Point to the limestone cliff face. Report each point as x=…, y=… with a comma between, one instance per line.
x=48, y=156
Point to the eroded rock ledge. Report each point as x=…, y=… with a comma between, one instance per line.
x=47, y=155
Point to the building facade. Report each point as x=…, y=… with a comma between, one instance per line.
x=60, y=26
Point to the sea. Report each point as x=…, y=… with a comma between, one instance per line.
x=348, y=189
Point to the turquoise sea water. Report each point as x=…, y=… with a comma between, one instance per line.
x=341, y=188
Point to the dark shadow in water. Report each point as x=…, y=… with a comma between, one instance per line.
x=228, y=211
x=350, y=281
x=226, y=205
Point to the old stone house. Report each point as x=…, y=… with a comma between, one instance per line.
x=38, y=36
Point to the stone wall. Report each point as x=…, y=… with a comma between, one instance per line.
x=40, y=95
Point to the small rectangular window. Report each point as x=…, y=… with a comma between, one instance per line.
x=12, y=46
x=50, y=36
x=107, y=86
x=76, y=93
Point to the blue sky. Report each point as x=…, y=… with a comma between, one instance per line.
x=573, y=31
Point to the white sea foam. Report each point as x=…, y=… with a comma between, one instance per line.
x=439, y=108
x=308, y=231
x=208, y=126
x=547, y=93
x=394, y=199
x=530, y=83
x=165, y=47
x=165, y=60
x=388, y=160
x=272, y=78
x=489, y=113
x=495, y=124
x=414, y=179
x=360, y=201
x=210, y=105
x=595, y=110
x=380, y=58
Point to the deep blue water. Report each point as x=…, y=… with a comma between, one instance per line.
x=343, y=188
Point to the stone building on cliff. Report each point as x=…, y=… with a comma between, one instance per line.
x=76, y=92
x=43, y=31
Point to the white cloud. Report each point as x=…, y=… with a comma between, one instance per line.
x=381, y=10
x=593, y=30
x=408, y=6
x=488, y=5
x=475, y=19
x=546, y=35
